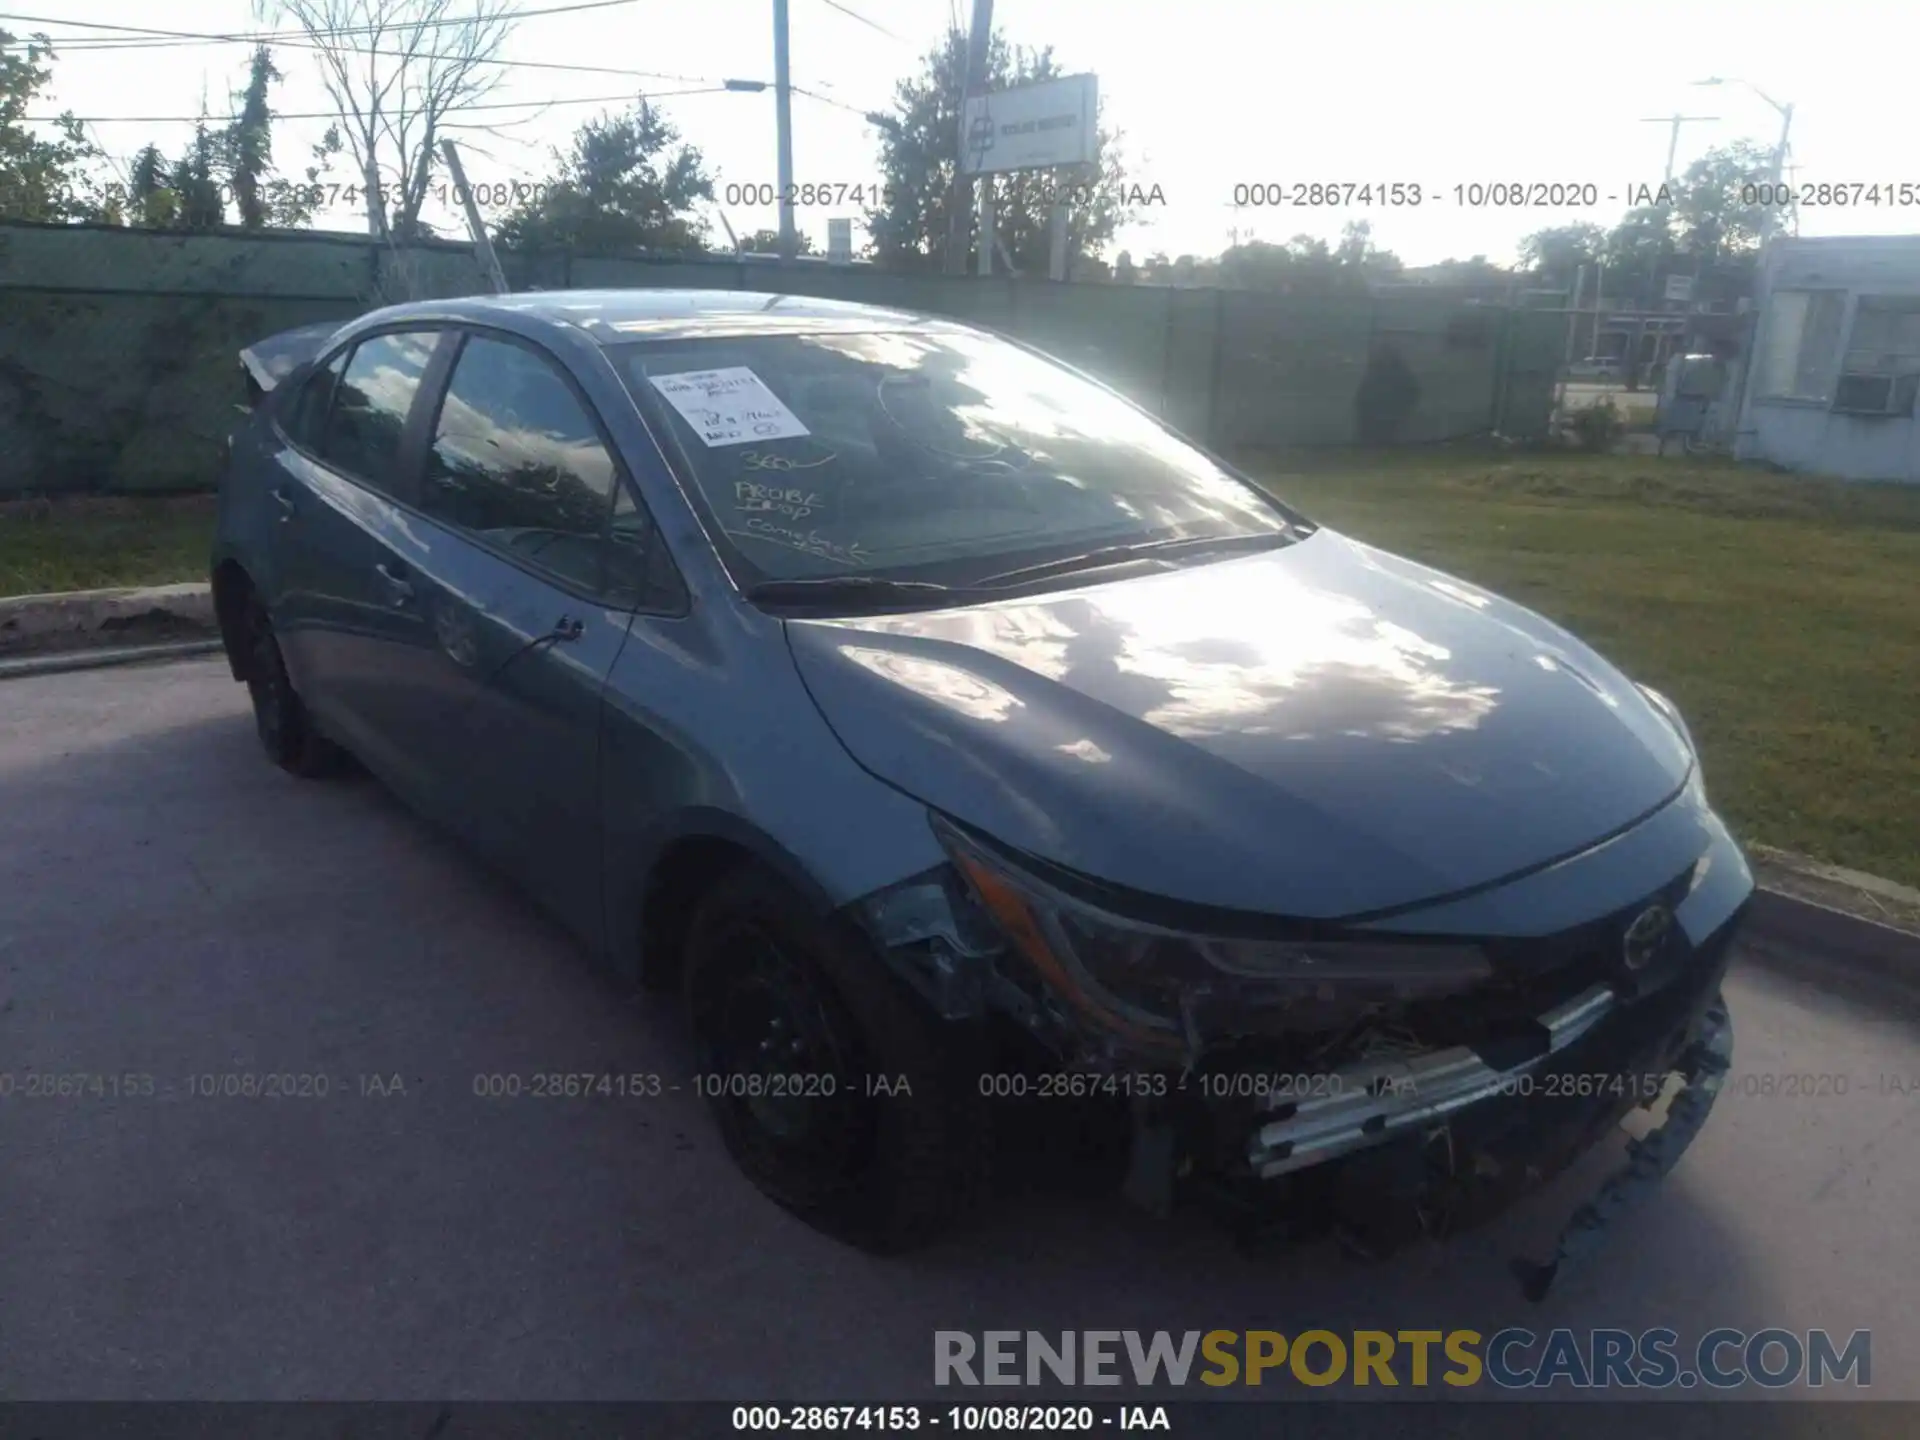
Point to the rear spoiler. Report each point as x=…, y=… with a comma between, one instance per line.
x=267, y=362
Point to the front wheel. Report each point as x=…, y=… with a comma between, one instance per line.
x=835, y=1091
x=285, y=729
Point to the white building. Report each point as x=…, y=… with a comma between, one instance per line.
x=1837, y=359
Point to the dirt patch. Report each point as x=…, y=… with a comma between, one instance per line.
x=155, y=627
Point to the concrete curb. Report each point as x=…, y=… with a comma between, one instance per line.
x=40, y=622
x=1804, y=935
x=91, y=657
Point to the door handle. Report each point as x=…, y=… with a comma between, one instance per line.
x=567, y=627
x=401, y=588
x=284, y=501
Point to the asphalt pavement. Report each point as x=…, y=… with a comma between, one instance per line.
x=173, y=912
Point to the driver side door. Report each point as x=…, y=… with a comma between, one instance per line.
x=527, y=562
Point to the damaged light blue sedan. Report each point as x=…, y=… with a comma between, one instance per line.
x=947, y=731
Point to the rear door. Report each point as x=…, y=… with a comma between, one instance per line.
x=351, y=627
x=530, y=561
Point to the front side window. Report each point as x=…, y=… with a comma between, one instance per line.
x=371, y=406
x=516, y=461
x=1802, y=343
x=945, y=456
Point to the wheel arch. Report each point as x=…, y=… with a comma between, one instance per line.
x=684, y=863
x=232, y=586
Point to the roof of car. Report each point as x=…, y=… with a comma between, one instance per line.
x=613, y=316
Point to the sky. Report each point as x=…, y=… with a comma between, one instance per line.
x=1209, y=95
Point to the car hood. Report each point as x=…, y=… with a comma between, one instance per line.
x=1323, y=730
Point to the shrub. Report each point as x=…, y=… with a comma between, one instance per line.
x=1596, y=428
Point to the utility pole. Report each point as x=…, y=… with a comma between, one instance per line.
x=1767, y=216
x=783, y=120
x=960, y=201
x=482, y=242
x=1676, y=120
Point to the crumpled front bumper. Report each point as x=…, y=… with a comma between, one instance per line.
x=1435, y=1144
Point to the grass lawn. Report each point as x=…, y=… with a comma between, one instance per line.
x=93, y=542
x=1781, y=613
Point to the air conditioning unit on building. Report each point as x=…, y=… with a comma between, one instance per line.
x=1862, y=394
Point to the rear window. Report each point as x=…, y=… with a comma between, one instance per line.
x=930, y=455
x=371, y=405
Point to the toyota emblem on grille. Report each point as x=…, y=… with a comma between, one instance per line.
x=1644, y=936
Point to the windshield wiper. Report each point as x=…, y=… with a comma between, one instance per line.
x=1119, y=554
x=844, y=587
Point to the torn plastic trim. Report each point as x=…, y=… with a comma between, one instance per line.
x=1704, y=1067
x=1368, y=1103
x=929, y=929
x=269, y=361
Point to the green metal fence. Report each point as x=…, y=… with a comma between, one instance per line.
x=118, y=347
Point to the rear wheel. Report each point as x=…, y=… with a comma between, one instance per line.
x=835, y=1091
x=286, y=730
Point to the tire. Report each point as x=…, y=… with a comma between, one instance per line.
x=285, y=729
x=882, y=1171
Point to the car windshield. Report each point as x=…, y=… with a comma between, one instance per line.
x=943, y=456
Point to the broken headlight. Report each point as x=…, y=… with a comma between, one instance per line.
x=1172, y=991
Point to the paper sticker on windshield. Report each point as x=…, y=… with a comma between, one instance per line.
x=728, y=407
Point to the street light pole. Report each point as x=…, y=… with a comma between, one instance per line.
x=783, y=120
x=960, y=196
x=1744, y=388
x=1675, y=120
x=1779, y=172
x=1785, y=111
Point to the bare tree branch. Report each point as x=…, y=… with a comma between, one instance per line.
x=399, y=72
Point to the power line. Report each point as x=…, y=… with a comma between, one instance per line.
x=870, y=24
x=334, y=115
x=268, y=36
x=301, y=44
x=828, y=100
x=153, y=40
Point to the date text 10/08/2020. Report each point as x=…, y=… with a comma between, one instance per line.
x=1558, y=194
x=904, y=1419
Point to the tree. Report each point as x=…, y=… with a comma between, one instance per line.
x=1640, y=250
x=909, y=228
x=152, y=204
x=399, y=74
x=1257, y=265
x=1474, y=270
x=767, y=242
x=236, y=158
x=1360, y=258
x=1556, y=253
x=41, y=178
x=617, y=188
x=1307, y=263
x=1713, y=211
x=250, y=142
x=195, y=182
x=290, y=204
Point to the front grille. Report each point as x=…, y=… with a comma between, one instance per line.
x=1533, y=976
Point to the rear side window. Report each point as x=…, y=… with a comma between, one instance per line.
x=516, y=460
x=307, y=415
x=370, y=409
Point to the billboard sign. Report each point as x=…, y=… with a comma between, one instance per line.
x=1031, y=127
x=1680, y=288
